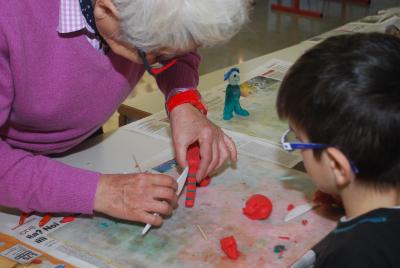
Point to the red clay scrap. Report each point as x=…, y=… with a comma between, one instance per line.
x=229, y=246
x=204, y=182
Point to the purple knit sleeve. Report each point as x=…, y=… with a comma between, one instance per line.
x=184, y=74
x=37, y=183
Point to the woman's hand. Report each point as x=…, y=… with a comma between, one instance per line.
x=135, y=197
x=189, y=125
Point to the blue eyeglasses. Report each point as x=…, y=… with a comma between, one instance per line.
x=298, y=145
x=291, y=146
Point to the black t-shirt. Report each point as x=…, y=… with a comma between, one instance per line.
x=370, y=240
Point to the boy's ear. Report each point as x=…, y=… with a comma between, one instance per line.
x=340, y=167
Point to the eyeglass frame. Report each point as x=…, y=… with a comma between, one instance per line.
x=152, y=70
x=292, y=146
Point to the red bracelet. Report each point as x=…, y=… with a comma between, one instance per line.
x=189, y=96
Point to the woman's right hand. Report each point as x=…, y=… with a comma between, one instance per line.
x=136, y=197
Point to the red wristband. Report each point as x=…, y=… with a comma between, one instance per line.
x=189, y=96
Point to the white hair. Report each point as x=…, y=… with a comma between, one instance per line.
x=179, y=24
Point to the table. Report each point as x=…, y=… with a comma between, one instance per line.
x=218, y=211
x=112, y=153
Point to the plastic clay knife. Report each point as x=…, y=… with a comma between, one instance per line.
x=181, y=183
x=300, y=210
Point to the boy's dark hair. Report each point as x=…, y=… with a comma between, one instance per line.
x=345, y=92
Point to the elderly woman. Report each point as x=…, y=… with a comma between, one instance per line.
x=63, y=72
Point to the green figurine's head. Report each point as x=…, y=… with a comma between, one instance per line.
x=233, y=76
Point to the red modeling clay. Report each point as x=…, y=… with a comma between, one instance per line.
x=193, y=158
x=204, y=182
x=23, y=217
x=46, y=218
x=258, y=207
x=326, y=200
x=290, y=207
x=67, y=219
x=228, y=245
x=36, y=261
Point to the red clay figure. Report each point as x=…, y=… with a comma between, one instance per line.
x=193, y=158
x=258, y=207
x=228, y=245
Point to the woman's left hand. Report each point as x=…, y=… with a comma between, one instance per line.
x=189, y=125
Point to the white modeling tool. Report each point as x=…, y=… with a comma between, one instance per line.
x=181, y=183
x=299, y=210
x=137, y=163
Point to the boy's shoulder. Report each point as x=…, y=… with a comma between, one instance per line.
x=370, y=240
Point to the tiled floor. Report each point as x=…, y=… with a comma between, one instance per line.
x=268, y=30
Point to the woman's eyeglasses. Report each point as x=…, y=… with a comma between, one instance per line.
x=154, y=71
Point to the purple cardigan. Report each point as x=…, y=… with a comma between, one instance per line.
x=54, y=92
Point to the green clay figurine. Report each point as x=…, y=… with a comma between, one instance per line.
x=232, y=95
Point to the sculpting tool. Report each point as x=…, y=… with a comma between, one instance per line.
x=136, y=163
x=300, y=210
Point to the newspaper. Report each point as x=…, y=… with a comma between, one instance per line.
x=375, y=23
x=31, y=242
x=259, y=134
x=15, y=253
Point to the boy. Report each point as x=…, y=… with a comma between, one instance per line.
x=342, y=101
